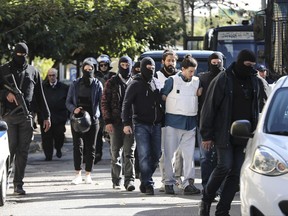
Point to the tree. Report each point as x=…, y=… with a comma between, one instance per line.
x=72, y=30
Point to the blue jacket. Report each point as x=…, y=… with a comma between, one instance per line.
x=96, y=93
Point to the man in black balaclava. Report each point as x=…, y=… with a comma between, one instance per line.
x=111, y=106
x=232, y=95
x=125, y=67
x=19, y=55
x=208, y=158
x=20, y=124
x=144, y=99
x=136, y=68
x=244, y=65
x=147, y=68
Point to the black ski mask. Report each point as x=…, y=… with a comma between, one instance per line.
x=215, y=69
x=147, y=73
x=87, y=75
x=125, y=72
x=242, y=71
x=20, y=60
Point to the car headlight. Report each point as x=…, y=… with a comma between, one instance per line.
x=268, y=162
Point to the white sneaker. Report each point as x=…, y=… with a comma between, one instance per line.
x=162, y=188
x=77, y=180
x=88, y=179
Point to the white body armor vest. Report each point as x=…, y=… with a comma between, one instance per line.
x=161, y=78
x=182, y=100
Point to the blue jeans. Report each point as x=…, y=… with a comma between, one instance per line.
x=228, y=168
x=148, y=139
x=208, y=160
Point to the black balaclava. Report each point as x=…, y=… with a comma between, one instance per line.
x=215, y=69
x=145, y=72
x=136, y=65
x=20, y=61
x=125, y=73
x=242, y=71
x=87, y=75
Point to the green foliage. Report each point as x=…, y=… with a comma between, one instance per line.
x=72, y=30
x=43, y=65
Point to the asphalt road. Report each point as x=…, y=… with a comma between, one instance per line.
x=49, y=192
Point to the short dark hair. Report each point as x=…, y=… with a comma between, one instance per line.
x=168, y=52
x=189, y=61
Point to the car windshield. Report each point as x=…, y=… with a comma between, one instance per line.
x=276, y=121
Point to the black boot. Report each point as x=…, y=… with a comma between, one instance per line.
x=204, y=208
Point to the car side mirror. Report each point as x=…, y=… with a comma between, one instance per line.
x=3, y=126
x=241, y=129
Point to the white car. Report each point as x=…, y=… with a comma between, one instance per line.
x=264, y=174
x=4, y=161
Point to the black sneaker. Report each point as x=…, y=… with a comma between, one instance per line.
x=18, y=190
x=191, y=190
x=98, y=157
x=130, y=186
x=204, y=208
x=149, y=190
x=169, y=189
x=142, y=188
x=59, y=153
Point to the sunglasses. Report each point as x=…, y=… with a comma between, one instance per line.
x=103, y=65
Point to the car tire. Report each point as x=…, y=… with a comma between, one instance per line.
x=3, y=185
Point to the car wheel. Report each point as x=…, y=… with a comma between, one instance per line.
x=3, y=185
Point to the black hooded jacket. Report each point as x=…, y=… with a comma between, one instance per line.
x=145, y=103
x=29, y=82
x=216, y=118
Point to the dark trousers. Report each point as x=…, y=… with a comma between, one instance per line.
x=228, y=168
x=122, y=147
x=85, y=141
x=54, y=137
x=20, y=133
x=99, y=142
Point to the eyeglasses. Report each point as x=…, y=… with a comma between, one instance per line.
x=103, y=65
x=51, y=75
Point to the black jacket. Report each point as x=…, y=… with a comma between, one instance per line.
x=31, y=87
x=56, y=98
x=145, y=103
x=216, y=112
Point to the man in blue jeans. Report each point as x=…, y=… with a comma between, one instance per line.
x=143, y=97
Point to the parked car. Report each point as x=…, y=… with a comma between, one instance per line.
x=264, y=174
x=4, y=161
x=200, y=55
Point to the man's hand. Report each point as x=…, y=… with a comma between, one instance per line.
x=207, y=145
x=46, y=125
x=127, y=130
x=11, y=98
x=109, y=128
x=78, y=110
